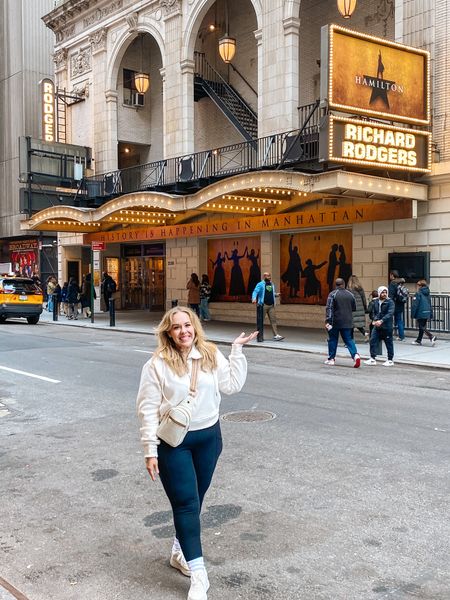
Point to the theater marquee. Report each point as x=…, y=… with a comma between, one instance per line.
x=370, y=76
x=367, y=143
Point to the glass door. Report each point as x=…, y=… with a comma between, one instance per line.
x=154, y=292
x=133, y=283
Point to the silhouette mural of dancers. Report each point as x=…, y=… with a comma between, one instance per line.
x=345, y=268
x=332, y=264
x=313, y=287
x=294, y=269
x=237, y=285
x=218, y=287
x=254, y=276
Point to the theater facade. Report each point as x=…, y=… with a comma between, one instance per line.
x=327, y=168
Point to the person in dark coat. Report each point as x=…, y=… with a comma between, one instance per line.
x=86, y=295
x=73, y=296
x=399, y=312
x=422, y=311
x=339, y=320
x=383, y=322
x=359, y=316
x=108, y=287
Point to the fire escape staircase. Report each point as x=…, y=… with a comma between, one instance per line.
x=208, y=82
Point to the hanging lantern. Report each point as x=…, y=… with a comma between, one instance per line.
x=227, y=48
x=346, y=7
x=142, y=82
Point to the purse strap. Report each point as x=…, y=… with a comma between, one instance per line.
x=194, y=374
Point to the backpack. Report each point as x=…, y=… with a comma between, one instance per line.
x=112, y=286
x=401, y=293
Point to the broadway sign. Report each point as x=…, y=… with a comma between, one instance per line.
x=370, y=76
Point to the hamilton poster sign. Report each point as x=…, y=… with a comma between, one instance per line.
x=370, y=76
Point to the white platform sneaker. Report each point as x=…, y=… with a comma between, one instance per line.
x=177, y=561
x=199, y=585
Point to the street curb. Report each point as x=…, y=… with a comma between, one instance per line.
x=271, y=345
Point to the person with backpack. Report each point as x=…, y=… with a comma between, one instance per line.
x=399, y=294
x=108, y=288
x=383, y=327
x=422, y=311
x=205, y=294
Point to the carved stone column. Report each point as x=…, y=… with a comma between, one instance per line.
x=175, y=123
x=291, y=44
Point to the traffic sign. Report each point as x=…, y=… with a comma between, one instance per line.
x=98, y=245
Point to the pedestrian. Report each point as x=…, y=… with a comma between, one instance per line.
x=422, y=311
x=73, y=297
x=371, y=313
x=399, y=294
x=264, y=296
x=205, y=295
x=340, y=307
x=58, y=294
x=108, y=288
x=186, y=470
x=64, y=303
x=87, y=293
x=359, y=316
x=50, y=288
x=193, y=288
x=383, y=327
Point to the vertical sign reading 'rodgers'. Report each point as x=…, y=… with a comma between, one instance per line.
x=48, y=110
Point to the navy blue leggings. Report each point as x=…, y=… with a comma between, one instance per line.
x=186, y=473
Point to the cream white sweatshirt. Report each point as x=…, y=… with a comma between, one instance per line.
x=160, y=389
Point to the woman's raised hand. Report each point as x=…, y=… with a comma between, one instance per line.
x=244, y=339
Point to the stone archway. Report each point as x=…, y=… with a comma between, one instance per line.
x=108, y=160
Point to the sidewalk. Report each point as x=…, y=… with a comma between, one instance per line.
x=296, y=339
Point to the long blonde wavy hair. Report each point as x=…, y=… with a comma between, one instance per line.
x=168, y=350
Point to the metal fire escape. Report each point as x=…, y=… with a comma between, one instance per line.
x=208, y=82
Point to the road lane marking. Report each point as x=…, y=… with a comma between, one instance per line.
x=49, y=379
x=144, y=351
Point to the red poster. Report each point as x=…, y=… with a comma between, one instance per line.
x=24, y=257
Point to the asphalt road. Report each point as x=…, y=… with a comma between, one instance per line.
x=343, y=496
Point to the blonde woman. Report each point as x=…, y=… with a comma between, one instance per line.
x=187, y=470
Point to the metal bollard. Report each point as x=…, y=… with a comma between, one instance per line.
x=112, y=312
x=174, y=303
x=55, y=306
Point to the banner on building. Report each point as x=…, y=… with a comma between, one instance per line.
x=24, y=256
x=325, y=216
x=371, y=76
x=311, y=262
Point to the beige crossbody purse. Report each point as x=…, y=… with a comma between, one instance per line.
x=175, y=423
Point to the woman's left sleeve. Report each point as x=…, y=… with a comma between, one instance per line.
x=231, y=372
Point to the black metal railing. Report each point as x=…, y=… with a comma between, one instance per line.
x=440, y=323
x=196, y=170
x=227, y=99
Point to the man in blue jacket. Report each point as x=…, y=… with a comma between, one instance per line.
x=264, y=297
x=383, y=327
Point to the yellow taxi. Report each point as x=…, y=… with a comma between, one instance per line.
x=20, y=297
